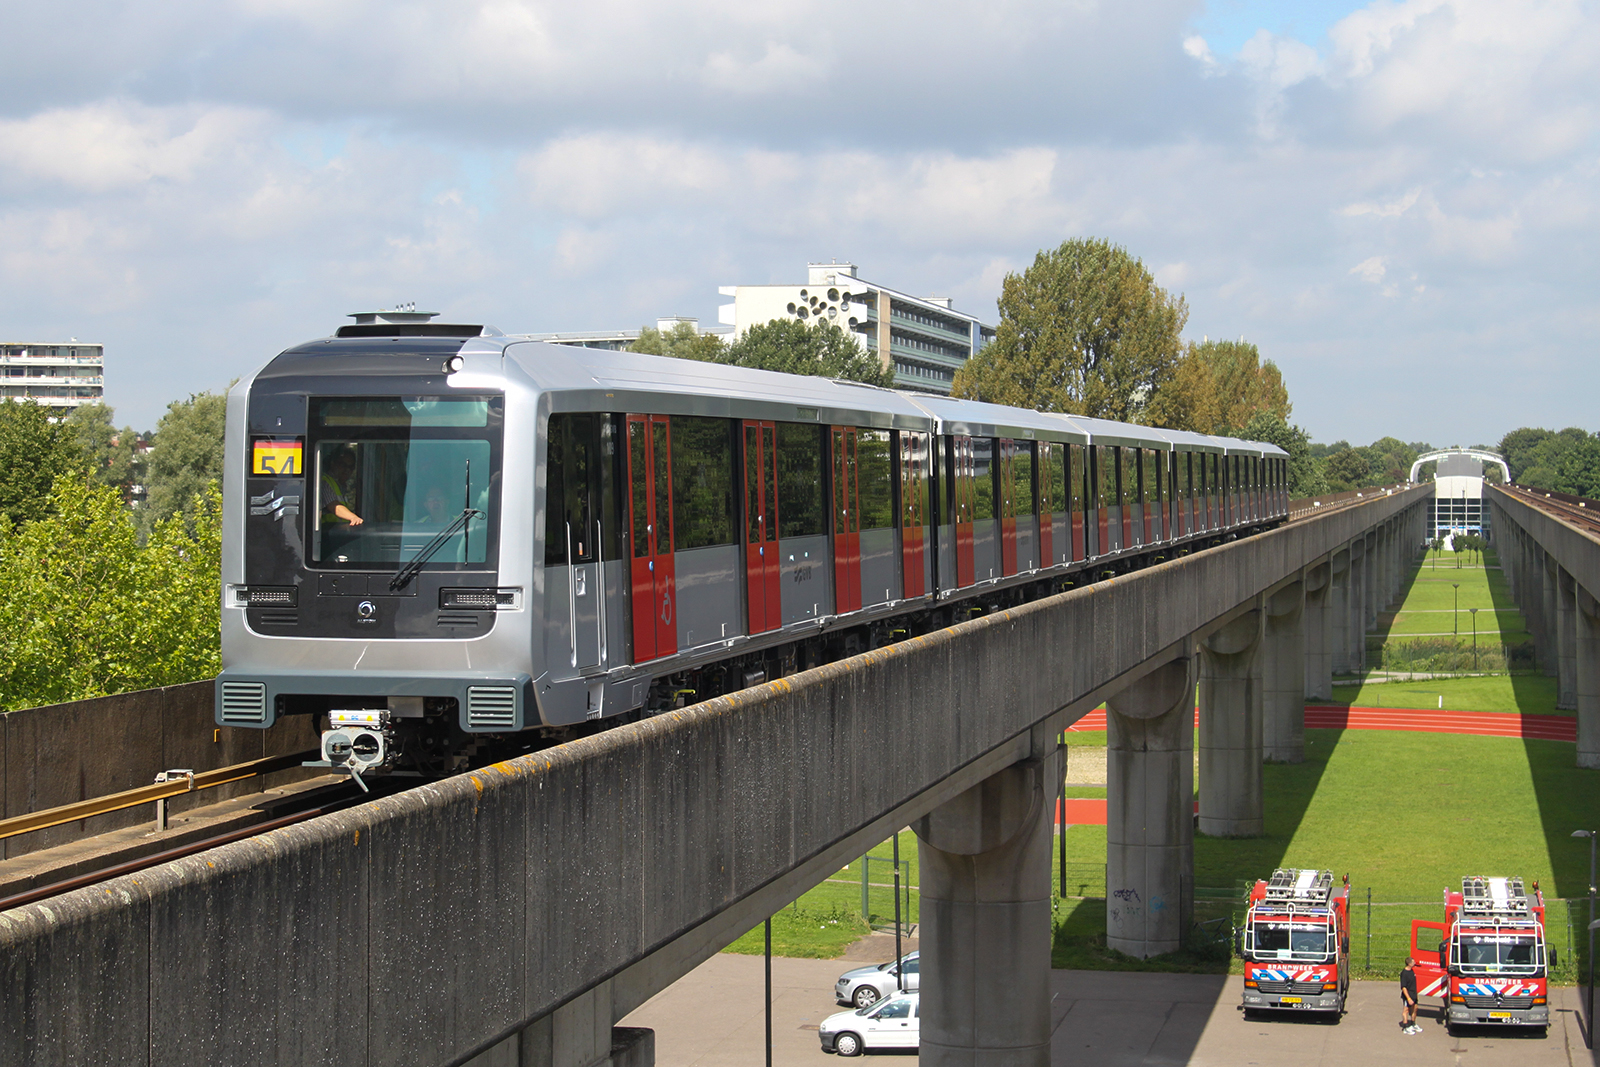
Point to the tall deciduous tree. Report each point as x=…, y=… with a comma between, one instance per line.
x=33, y=452
x=1084, y=330
x=795, y=347
x=111, y=454
x=683, y=341
x=187, y=453
x=1305, y=474
x=1218, y=387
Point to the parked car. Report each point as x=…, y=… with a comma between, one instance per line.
x=892, y=1023
x=868, y=985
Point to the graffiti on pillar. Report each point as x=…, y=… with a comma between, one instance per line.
x=1130, y=895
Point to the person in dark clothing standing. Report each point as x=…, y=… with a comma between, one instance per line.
x=1408, y=999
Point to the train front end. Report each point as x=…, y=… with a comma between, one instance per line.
x=368, y=577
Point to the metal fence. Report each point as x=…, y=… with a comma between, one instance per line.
x=1380, y=930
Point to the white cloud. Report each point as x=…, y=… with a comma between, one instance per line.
x=1371, y=270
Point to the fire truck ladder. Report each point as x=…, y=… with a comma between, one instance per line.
x=1289, y=885
x=1494, y=898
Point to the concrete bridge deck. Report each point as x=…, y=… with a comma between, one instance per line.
x=520, y=911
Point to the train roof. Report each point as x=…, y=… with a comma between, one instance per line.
x=604, y=379
x=977, y=418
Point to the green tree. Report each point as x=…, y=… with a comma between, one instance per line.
x=794, y=347
x=187, y=453
x=683, y=341
x=1345, y=470
x=1218, y=387
x=1305, y=474
x=1084, y=330
x=86, y=610
x=1517, y=447
x=33, y=452
x=113, y=455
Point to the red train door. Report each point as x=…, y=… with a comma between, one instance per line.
x=1045, y=507
x=1008, y=506
x=965, y=467
x=913, y=507
x=655, y=594
x=846, y=522
x=761, y=527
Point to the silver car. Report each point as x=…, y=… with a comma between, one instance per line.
x=868, y=985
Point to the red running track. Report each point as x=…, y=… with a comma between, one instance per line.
x=1092, y=812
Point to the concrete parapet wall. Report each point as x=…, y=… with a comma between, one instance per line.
x=63, y=753
x=428, y=926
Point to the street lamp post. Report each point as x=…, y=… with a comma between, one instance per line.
x=1474, y=612
x=1455, y=616
x=1591, y=835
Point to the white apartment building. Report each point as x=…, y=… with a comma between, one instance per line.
x=923, y=339
x=59, y=376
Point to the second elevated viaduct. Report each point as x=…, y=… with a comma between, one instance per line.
x=515, y=913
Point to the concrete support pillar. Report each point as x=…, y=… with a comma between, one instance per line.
x=1339, y=611
x=1369, y=591
x=1150, y=812
x=577, y=1034
x=1230, y=729
x=1319, y=633
x=1586, y=621
x=1566, y=641
x=1356, y=633
x=1549, y=653
x=985, y=931
x=1283, y=712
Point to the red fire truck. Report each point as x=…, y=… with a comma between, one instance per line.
x=1489, y=964
x=1295, y=942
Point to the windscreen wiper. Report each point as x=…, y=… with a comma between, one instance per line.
x=414, y=564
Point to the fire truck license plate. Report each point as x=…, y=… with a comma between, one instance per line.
x=1288, y=1000
x=1499, y=1015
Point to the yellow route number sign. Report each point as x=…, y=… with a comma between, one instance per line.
x=281, y=457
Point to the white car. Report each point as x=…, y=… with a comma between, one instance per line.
x=868, y=985
x=891, y=1023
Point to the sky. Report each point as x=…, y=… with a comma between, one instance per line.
x=1395, y=201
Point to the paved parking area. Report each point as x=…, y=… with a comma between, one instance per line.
x=713, y=1018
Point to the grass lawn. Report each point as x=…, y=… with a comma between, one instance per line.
x=1405, y=815
x=1531, y=694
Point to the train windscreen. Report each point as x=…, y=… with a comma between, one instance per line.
x=392, y=474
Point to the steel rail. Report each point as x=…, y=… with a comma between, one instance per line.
x=29, y=896
x=131, y=798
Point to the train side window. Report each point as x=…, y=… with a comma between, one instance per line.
x=1128, y=490
x=801, y=505
x=702, y=481
x=570, y=514
x=914, y=479
x=874, y=475
x=1023, y=489
x=983, y=479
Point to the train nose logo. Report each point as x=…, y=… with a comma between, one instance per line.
x=366, y=611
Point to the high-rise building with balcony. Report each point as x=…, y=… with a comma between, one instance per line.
x=59, y=376
x=923, y=339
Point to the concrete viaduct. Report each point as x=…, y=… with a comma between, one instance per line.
x=514, y=914
x=1554, y=574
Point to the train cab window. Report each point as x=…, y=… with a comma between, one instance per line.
x=702, y=481
x=801, y=505
x=874, y=473
x=392, y=473
x=571, y=515
x=983, y=476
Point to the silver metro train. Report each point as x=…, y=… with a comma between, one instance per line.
x=452, y=544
